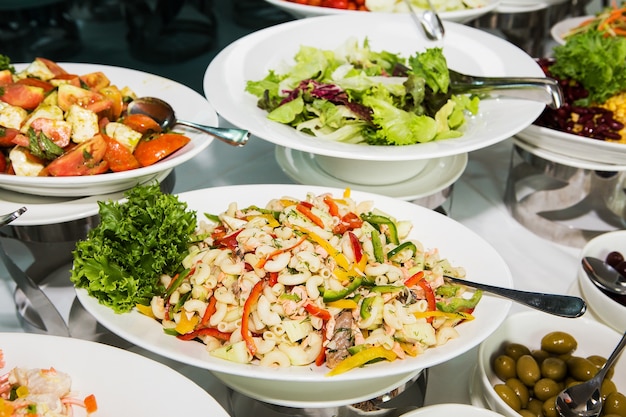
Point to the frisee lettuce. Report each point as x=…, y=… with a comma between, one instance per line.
x=121, y=260
x=356, y=95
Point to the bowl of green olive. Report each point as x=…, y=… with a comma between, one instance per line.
x=533, y=356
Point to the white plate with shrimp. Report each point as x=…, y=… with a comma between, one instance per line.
x=123, y=383
x=187, y=103
x=304, y=386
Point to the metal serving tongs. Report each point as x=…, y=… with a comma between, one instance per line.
x=429, y=21
x=50, y=320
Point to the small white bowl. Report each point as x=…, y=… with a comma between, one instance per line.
x=528, y=328
x=604, y=306
x=363, y=172
x=447, y=410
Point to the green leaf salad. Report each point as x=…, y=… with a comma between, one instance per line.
x=356, y=95
x=122, y=259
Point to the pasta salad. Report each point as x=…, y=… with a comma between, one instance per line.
x=324, y=280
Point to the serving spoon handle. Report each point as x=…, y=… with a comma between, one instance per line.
x=558, y=305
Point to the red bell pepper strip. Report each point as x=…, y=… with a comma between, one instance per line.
x=316, y=311
x=430, y=296
x=332, y=206
x=414, y=279
x=356, y=246
x=306, y=210
x=205, y=331
x=277, y=252
x=320, y=359
x=255, y=293
x=210, y=309
x=273, y=279
x=229, y=241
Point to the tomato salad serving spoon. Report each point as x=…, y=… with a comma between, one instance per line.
x=165, y=116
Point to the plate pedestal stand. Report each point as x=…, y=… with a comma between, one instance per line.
x=565, y=204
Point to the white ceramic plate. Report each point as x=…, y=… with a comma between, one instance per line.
x=531, y=4
x=304, y=10
x=469, y=50
x=187, y=103
x=124, y=383
x=561, y=28
x=447, y=410
x=574, y=146
x=455, y=242
x=438, y=174
x=54, y=210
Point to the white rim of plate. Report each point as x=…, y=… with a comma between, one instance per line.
x=447, y=170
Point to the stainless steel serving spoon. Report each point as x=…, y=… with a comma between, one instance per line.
x=429, y=21
x=8, y=218
x=604, y=275
x=558, y=305
x=164, y=114
x=584, y=399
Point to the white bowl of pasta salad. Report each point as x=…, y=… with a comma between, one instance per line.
x=318, y=296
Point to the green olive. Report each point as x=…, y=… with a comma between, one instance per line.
x=581, y=368
x=540, y=355
x=520, y=390
x=554, y=368
x=508, y=396
x=558, y=343
x=528, y=370
x=515, y=350
x=504, y=367
x=535, y=406
x=615, y=404
x=526, y=413
x=549, y=407
x=607, y=387
x=546, y=388
x=599, y=361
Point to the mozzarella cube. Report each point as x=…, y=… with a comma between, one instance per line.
x=45, y=112
x=37, y=69
x=84, y=123
x=12, y=116
x=22, y=164
x=123, y=134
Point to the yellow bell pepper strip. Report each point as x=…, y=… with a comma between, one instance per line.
x=145, y=310
x=255, y=293
x=305, y=208
x=186, y=324
x=377, y=220
x=6, y=408
x=277, y=252
x=361, y=358
x=345, y=304
x=316, y=311
x=91, y=406
x=334, y=295
x=339, y=257
x=455, y=315
x=377, y=247
x=356, y=247
x=405, y=245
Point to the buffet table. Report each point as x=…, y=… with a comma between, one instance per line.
x=476, y=201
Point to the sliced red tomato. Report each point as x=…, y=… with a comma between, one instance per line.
x=141, y=123
x=71, y=79
x=117, y=101
x=7, y=135
x=20, y=95
x=58, y=131
x=36, y=82
x=52, y=66
x=3, y=162
x=95, y=80
x=69, y=95
x=21, y=140
x=118, y=156
x=84, y=159
x=6, y=77
x=153, y=150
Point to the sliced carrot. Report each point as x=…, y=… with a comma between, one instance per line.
x=247, y=310
x=302, y=208
x=91, y=406
x=153, y=150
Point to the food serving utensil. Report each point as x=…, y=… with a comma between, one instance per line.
x=559, y=305
x=585, y=399
x=429, y=21
x=165, y=116
x=604, y=276
x=50, y=319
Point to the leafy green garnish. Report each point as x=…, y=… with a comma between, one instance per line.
x=121, y=260
x=5, y=63
x=595, y=61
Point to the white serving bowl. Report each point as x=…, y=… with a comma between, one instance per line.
x=357, y=171
x=300, y=11
x=604, y=306
x=447, y=410
x=528, y=328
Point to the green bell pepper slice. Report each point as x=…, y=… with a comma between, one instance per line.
x=334, y=295
x=377, y=220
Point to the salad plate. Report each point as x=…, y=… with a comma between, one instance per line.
x=54, y=210
x=452, y=14
x=437, y=174
x=472, y=51
x=122, y=382
x=574, y=146
x=454, y=241
x=562, y=28
x=188, y=105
